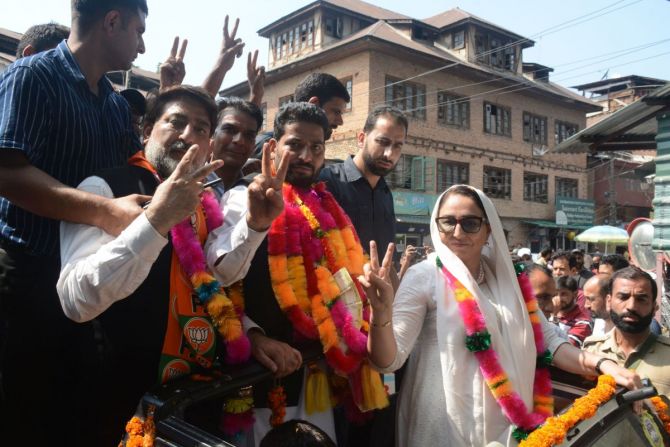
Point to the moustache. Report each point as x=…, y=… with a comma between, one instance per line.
x=302, y=165
x=179, y=146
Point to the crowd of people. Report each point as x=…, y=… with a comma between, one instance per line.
x=146, y=239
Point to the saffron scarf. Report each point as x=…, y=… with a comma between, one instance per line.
x=190, y=338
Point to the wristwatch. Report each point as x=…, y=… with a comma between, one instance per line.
x=600, y=362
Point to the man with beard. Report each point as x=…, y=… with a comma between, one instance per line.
x=632, y=304
x=358, y=183
x=570, y=317
x=596, y=290
x=138, y=284
x=580, y=273
x=544, y=287
x=288, y=288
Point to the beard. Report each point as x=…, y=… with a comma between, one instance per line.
x=372, y=166
x=637, y=327
x=159, y=156
x=298, y=178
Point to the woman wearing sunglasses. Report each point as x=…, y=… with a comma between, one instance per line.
x=461, y=314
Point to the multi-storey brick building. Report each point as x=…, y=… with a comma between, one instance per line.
x=478, y=113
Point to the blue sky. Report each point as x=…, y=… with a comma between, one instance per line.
x=630, y=24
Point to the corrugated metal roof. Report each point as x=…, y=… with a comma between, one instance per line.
x=633, y=127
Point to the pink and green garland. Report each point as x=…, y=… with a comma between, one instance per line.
x=478, y=341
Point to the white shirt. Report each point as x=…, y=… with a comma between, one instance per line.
x=98, y=269
x=233, y=244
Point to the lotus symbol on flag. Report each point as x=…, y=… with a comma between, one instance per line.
x=198, y=336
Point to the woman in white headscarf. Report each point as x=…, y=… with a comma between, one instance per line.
x=444, y=398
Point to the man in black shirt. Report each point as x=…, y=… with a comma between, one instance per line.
x=358, y=183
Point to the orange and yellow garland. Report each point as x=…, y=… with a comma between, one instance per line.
x=312, y=239
x=141, y=433
x=553, y=431
x=662, y=412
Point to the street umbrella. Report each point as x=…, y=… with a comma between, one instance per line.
x=604, y=234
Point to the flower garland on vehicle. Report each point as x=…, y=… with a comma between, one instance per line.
x=478, y=341
x=553, y=431
x=312, y=238
x=141, y=433
x=662, y=411
x=225, y=315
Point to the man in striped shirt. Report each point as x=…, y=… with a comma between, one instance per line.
x=60, y=122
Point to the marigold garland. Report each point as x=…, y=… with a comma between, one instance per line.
x=662, y=411
x=478, y=342
x=224, y=313
x=554, y=429
x=141, y=433
x=277, y=403
x=312, y=239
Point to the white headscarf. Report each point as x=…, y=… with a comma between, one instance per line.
x=475, y=418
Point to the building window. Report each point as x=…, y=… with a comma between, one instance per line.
x=406, y=96
x=409, y=173
x=348, y=83
x=334, y=27
x=264, y=112
x=567, y=187
x=453, y=110
x=497, y=182
x=458, y=40
x=451, y=173
x=497, y=120
x=534, y=128
x=495, y=51
x=285, y=100
x=535, y=187
x=564, y=130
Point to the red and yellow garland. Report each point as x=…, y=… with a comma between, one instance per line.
x=312, y=239
x=554, y=429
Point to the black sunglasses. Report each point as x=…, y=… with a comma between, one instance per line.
x=469, y=224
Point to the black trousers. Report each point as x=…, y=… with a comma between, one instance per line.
x=48, y=363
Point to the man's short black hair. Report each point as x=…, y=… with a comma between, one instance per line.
x=546, y=251
x=157, y=104
x=300, y=112
x=241, y=105
x=323, y=86
x=296, y=433
x=42, y=37
x=87, y=12
x=394, y=113
x=572, y=262
x=634, y=273
x=567, y=282
x=617, y=262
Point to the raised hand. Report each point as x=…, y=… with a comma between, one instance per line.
x=376, y=281
x=266, y=201
x=179, y=195
x=231, y=48
x=172, y=71
x=256, y=78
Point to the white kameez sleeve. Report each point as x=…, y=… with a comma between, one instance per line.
x=412, y=300
x=231, y=247
x=98, y=269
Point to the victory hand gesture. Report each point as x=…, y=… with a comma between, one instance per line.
x=172, y=71
x=376, y=281
x=230, y=47
x=266, y=201
x=256, y=78
x=179, y=195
